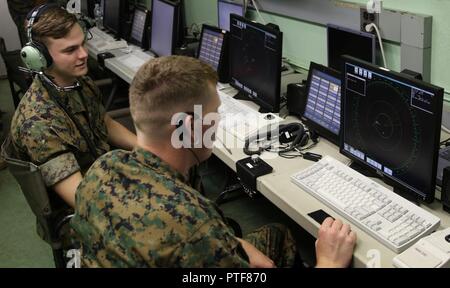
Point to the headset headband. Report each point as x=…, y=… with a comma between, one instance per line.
x=34, y=15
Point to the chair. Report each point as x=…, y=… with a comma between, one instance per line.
x=50, y=211
x=18, y=81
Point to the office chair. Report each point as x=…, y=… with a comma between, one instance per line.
x=52, y=214
x=18, y=81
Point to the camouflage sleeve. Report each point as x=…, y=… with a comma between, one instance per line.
x=212, y=245
x=59, y=168
x=46, y=149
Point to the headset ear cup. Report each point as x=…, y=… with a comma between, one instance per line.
x=33, y=57
x=304, y=140
x=45, y=53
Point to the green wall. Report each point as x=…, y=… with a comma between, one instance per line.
x=305, y=42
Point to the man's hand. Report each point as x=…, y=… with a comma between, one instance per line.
x=257, y=258
x=335, y=244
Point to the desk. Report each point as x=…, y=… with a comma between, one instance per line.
x=296, y=203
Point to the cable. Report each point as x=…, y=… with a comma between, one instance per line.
x=368, y=29
x=257, y=11
x=447, y=130
x=445, y=142
x=194, y=30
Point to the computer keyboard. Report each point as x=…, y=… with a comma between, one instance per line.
x=134, y=60
x=240, y=120
x=102, y=41
x=391, y=219
x=100, y=35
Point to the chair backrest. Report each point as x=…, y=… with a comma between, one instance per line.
x=12, y=61
x=29, y=177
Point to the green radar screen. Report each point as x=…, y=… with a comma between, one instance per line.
x=385, y=121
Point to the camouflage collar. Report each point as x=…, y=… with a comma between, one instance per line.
x=151, y=160
x=71, y=99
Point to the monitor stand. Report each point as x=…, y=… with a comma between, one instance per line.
x=407, y=195
x=368, y=172
x=401, y=191
x=244, y=96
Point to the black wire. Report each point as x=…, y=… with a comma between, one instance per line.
x=445, y=142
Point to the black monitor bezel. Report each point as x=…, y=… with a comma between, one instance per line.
x=367, y=35
x=218, y=10
x=176, y=17
x=143, y=43
x=275, y=108
x=122, y=9
x=439, y=92
x=322, y=131
x=222, y=62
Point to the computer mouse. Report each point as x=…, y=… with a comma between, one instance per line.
x=447, y=238
x=269, y=117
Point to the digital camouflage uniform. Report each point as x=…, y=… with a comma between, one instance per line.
x=134, y=210
x=18, y=9
x=44, y=134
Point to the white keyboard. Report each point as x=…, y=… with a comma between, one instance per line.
x=98, y=34
x=240, y=120
x=134, y=60
x=391, y=219
x=102, y=41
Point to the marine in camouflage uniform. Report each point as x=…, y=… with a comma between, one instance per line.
x=43, y=133
x=134, y=210
x=18, y=9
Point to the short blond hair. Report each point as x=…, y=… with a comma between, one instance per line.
x=167, y=85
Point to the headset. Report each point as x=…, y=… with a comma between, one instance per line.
x=178, y=125
x=35, y=54
x=293, y=134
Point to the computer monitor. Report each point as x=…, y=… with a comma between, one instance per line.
x=255, y=62
x=323, y=102
x=213, y=49
x=344, y=41
x=224, y=10
x=140, y=27
x=114, y=12
x=165, y=25
x=390, y=123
